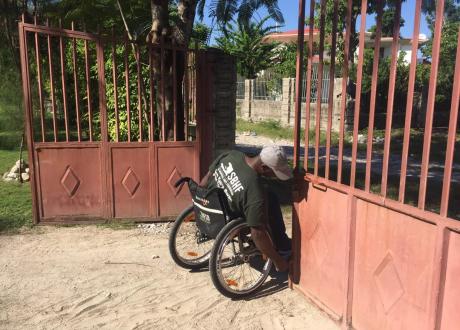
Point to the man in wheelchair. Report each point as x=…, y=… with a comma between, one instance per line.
x=240, y=177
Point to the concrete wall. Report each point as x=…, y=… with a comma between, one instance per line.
x=283, y=111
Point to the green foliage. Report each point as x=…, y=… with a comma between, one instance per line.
x=200, y=34
x=383, y=79
x=388, y=18
x=121, y=96
x=245, y=42
x=11, y=111
x=286, y=59
x=447, y=55
x=224, y=11
x=15, y=198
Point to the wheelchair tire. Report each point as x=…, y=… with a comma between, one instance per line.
x=237, y=232
x=197, y=254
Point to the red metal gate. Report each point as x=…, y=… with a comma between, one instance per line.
x=103, y=141
x=370, y=251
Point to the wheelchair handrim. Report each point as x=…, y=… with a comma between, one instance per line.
x=230, y=283
x=204, y=247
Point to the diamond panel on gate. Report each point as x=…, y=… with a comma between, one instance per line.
x=130, y=182
x=389, y=285
x=70, y=181
x=173, y=177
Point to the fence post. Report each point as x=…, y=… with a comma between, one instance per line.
x=337, y=102
x=286, y=105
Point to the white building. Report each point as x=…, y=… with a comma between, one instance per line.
x=405, y=44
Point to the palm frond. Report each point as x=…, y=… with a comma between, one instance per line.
x=200, y=9
x=275, y=12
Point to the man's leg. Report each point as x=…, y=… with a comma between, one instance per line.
x=275, y=220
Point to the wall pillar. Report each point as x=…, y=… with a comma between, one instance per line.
x=218, y=115
x=287, y=106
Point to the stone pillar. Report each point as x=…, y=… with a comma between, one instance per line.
x=219, y=113
x=287, y=106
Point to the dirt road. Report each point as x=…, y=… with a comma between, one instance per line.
x=94, y=277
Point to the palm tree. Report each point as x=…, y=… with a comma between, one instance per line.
x=245, y=42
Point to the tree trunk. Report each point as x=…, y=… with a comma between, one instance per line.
x=178, y=36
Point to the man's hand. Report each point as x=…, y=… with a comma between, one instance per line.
x=264, y=244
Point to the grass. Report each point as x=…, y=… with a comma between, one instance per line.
x=10, y=140
x=15, y=198
x=274, y=130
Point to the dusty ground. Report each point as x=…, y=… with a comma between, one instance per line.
x=95, y=277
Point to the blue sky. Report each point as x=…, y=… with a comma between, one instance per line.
x=289, y=9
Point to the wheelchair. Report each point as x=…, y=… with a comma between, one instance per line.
x=206, y=234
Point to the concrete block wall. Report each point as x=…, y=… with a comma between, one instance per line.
x=284, y=111
x=222, y=100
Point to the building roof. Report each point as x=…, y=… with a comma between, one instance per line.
x=290, y=36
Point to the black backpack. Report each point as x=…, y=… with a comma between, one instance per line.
x=210, y=207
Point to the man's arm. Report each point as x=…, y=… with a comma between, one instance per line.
x=264, y=244
x=204, y=181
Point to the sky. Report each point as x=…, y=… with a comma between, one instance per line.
x=290, y=8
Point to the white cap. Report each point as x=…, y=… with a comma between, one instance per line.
x=275, y=158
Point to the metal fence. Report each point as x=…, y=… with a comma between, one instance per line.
x=240, y=89
x=314, y=84
x=270, y=90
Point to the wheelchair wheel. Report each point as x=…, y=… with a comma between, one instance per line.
x=237, y=267
x=189, y=248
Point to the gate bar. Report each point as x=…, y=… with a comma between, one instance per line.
x=115, y=89
x=88, y=91
x=64, y=89
x=39, y=80
x=163, y=100
x=23, y=50
x=359, y=77
x=128, y=99
x=186, y=94
x=391, y=97
x=298, y=87
x=375, y=72
x=139, y=91
x=308, y=84
x=319, y=85
x=451, y=134
x=58, y=32
x=53, y=100
x=410, y=100
x=331, y=88
x=75, y=80
x=430, y=103
x=343, y=104
x=152, y=95
x=174, y=73
x=102, y=90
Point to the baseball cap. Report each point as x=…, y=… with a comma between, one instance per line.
x=275, y=158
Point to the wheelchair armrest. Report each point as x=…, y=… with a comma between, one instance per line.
x=181, y=181
x=219, y=191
